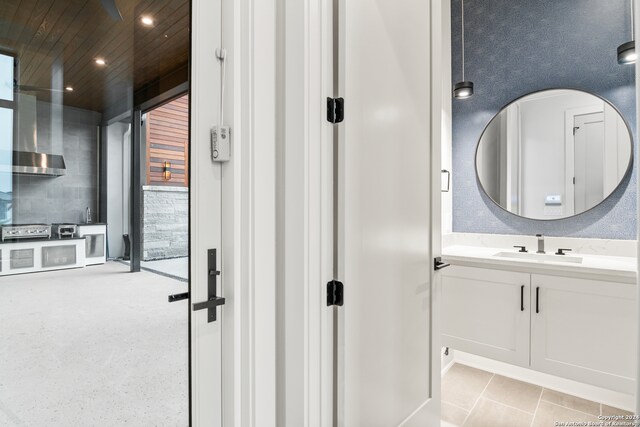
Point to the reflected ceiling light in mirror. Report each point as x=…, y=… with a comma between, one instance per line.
x=101, y=61
x=463, y=89
x=147, y=21
x=627, y=51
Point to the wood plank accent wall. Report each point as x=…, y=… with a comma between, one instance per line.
x=168, y=141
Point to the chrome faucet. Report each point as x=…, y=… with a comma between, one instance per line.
x=540, y=244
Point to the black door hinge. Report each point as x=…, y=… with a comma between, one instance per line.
x=335, y=110
x=335, y=293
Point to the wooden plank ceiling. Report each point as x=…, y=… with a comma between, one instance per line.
x=57, y=41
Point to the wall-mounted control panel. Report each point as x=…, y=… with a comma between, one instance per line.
x=220, y=144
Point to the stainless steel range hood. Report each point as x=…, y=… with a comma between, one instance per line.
x=32, y=163
x=26, y=158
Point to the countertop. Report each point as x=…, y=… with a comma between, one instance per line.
x=40, y=239
x=600, y=267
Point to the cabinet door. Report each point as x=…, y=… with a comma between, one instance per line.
x=584, y=330
x=486, y=312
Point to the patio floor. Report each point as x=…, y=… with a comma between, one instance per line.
x=95, y=346
x=176, y=268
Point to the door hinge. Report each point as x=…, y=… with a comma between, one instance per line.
x=335, y=110
x=335, y=293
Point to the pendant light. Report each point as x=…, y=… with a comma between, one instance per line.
x=463, y=89
x=627, y=51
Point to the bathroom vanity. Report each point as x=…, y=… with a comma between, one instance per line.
x=571, y=316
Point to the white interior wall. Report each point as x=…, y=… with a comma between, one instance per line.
x=544, y=147
x=118, y=164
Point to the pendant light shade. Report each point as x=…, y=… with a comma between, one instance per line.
x=463, y=89
x=627, y=51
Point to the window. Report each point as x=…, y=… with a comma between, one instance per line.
x=7, y=107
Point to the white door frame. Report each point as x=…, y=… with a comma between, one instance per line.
x=636, y=12
x=248, y=198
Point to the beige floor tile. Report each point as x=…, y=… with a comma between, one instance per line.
x=610, y=410
x=488, y=413
x=571, y=402
x=548, y=414
x=452, y=414
x=520, y=395
x=462, y=385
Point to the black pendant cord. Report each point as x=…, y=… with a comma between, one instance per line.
x=462, y=32
x=633, y=21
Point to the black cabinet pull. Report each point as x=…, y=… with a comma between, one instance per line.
x=537, y=299
x=522, y=298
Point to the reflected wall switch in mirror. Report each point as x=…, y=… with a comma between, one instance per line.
x=553, y=200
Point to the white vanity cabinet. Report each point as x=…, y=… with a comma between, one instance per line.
x=574, y=328
x=486, y=312
x=584, y=330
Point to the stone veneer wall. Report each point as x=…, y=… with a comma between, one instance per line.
x=165, y=231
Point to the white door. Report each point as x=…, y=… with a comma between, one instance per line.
x=205, y=217
x=584, y=330
x=588, y=157
x=487, y=312
x=384, y=221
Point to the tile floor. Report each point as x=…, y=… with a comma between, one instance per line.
x=475, y=398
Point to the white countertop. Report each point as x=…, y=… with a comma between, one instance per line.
x=600, y=267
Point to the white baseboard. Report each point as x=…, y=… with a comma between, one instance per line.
x=574, y=388
x=447, y=361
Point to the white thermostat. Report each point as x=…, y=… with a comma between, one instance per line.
x=220, y=144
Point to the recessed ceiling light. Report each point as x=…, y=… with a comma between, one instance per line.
x=69, y=89
x=146, y=20
x=100, y=61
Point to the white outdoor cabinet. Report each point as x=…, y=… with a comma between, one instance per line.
x=486, y=312
x=579, y=329
x=584, y=330
x=95, y=236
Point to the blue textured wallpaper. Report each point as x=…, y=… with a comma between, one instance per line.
x=514, y=47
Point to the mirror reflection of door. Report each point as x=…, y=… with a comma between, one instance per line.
x=588, y=148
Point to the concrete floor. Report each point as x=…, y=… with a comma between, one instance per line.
x=176, y=268
x=96, y=346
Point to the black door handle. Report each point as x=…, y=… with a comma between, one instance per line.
x=522, y=298
x=438, y=264
x=178, y=297
x=537, y=299
x=213, y=300
x=210, y=304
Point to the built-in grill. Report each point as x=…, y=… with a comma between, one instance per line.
x=25, y=231
x=63, y=230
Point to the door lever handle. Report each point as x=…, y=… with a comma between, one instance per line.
x=212, y=303
x=178, y=297
x=438, y=264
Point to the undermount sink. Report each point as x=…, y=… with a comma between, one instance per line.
x=540, y=257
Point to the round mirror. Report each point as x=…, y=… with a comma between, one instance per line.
x=554, y=154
